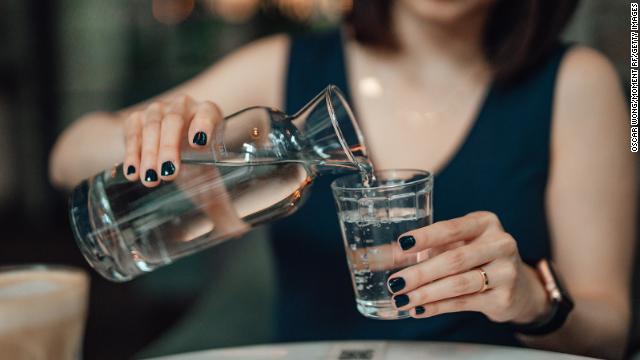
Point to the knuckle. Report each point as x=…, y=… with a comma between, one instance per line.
x=488, y=216
x=415, y=275
x=167, y=148
x=418, y=296
x=423, y=297
x=151, y=125
x=149, y=154
x=181, y=99
x=151, y=120
x=210, y=108
x=456, y=260
x=154, y=107
x=423, y=275
x=508, y=245
x=451, y=228
x=153, y=113
x=173, y=118
x=461, y=285
x=132, y=119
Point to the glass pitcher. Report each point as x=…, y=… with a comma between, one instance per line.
x=257, y=168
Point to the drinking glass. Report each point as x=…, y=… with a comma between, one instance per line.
x=42, y=312
x=371, y=219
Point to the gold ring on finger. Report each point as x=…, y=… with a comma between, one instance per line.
x=485, y=280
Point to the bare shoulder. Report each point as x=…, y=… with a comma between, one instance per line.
x=250, y=75
x=267, y=49
x=590, y=110
x=587, y=78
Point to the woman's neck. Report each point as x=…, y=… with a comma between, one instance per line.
x=422, y=41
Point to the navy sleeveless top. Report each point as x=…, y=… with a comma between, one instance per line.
x=502, y=167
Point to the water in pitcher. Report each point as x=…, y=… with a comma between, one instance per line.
x=223, y=204
x=217, y=201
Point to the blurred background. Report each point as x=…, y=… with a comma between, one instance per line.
x=63, y=58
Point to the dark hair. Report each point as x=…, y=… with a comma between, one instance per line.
x=518, y=34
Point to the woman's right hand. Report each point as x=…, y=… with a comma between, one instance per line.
x=155, y=135
x=154, y=138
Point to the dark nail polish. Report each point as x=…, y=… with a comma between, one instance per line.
x=419, y=310
x=200, y=138
x=131, y=170
x=150, y=176
x=167, y=168
x=396, y=284
x=401, y=300
x=407, y=242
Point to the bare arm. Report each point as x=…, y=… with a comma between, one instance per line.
x=252, y=75
x=591, y=202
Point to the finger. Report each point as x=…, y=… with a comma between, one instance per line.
x=474, y=302
x=206, y=118
x=444, y=232
x=449, y=263
x=170, y=135
x=204, y=186
x=380, y=257
x=150, y=141
x=133, y=142
x=470, y=282
x=435, y=251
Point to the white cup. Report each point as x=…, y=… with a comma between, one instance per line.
x=42, y=312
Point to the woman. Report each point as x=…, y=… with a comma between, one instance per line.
x=526, y=137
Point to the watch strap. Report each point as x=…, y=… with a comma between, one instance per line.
x=561, y=303
x=550, y=323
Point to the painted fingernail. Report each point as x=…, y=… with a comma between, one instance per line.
x=396, y=284
x=401, y=300
x=407, y=242
x=167, y=168
x=131, y=170
x=200, y=138
x=150, y=176
x=419, y=310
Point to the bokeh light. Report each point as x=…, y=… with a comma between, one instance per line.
x=298, y=10
x=235, y=11
x=334, y=9
x=171, y=12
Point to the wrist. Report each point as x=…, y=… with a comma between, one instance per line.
x=536, y=300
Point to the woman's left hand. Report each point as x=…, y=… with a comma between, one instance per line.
x=453, y=281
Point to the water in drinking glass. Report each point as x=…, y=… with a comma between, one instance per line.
x=371, y=258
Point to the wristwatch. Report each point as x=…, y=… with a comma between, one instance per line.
x=561, y=303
